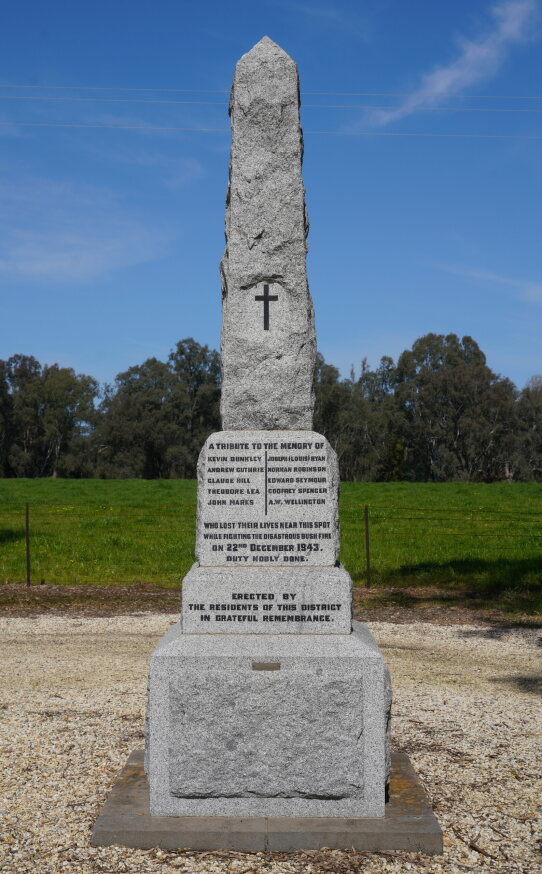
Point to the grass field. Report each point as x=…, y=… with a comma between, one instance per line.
x=479, y=543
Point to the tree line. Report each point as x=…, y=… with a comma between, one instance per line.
x=438, y=414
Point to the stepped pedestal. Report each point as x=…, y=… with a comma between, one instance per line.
x=264, y=701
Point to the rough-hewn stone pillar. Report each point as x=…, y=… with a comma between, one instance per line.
x=268, y=338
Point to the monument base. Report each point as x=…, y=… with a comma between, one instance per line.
x=408, y=823
x=268, y=725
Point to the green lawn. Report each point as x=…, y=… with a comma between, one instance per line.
x=482, y=541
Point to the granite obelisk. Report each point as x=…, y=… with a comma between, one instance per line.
x=265, y=701
x=268, y=339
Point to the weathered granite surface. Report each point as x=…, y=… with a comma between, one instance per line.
x=267, y=364
x=242, y=731
x=255, y=600
x=267, y=498
x=268, y=725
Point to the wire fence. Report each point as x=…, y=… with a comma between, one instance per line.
x=45, y=541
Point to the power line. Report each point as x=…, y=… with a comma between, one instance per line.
x=114, y=100
x=415, y=109
x=224, y=103
x=370, y=133
x=207, y=130
x=111, y=88
x=323, y=93
x=365, y=133
x=417, y=94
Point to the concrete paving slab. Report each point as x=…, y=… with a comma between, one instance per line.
x=408, y=824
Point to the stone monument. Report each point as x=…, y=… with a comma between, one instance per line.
x=268, y=707
x=265, y=701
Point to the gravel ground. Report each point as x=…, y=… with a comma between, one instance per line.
x=466, y=709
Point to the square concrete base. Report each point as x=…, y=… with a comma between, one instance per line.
x=408, y=824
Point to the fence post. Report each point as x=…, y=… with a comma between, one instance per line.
x=367, y=548
x=27, y=540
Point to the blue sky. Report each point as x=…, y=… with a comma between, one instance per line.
x=110, y=239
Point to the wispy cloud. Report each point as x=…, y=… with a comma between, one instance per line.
x=477, y=59
x=55, y=231
x=177, y=172
x=526, y=289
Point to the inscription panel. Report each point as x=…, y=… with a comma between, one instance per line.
x=252, y=601
x=267, y=498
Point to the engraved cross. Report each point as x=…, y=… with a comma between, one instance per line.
x=266, y=297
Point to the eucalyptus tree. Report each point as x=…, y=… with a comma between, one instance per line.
x=46, y=410
x=460, y=418
x=156, y=416
x=528, y=460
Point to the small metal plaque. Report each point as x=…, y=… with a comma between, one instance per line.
x=266, y=666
